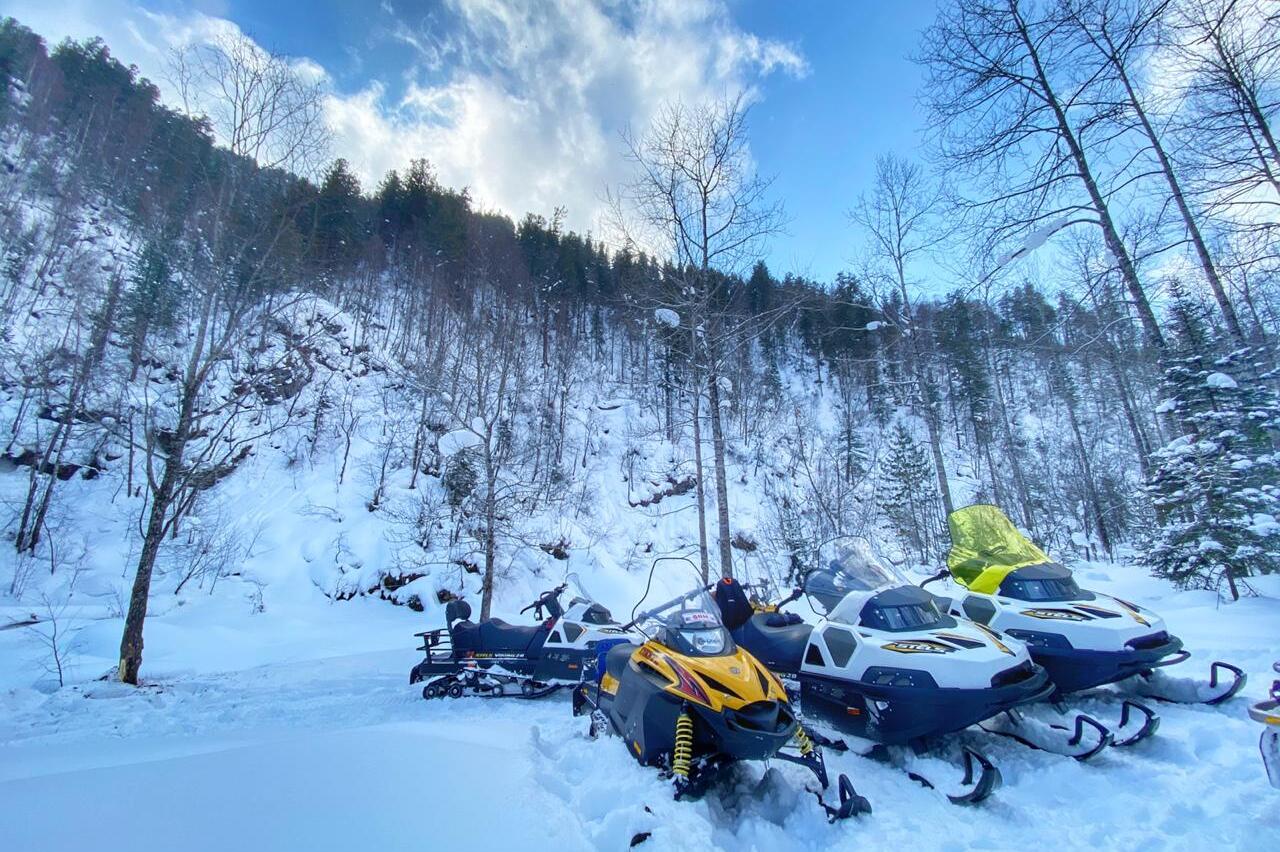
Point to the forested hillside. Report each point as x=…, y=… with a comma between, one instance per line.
x=1069, y=311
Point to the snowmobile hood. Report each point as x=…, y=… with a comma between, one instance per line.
x=727, y=682
x=986, y=547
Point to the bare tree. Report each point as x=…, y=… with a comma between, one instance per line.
x=1125, y=35
x=261, y=105
x=1230, y=49
x=478, y=390
x=1010, y=110
x=702, y=203
x=215, y=413
x=902, y=221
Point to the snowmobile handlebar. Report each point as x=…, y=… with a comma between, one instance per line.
x=941, y=575
x=650, y=613
x=549, y=600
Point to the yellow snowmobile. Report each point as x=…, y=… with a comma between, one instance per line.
x=690, y=702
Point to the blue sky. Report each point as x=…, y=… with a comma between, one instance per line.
x=524, y=102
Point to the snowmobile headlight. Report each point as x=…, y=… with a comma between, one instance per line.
x=1037, y=639
x=708, y=642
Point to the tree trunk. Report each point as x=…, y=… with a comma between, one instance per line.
x=935, y=446
x=490, y=530
x=1111, y=236
x=699, y=485
x=1179, y=199
x=722, y=484
x=161, y=500
x=1086, y=470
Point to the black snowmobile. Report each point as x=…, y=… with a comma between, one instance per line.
x=690, y=702
x=495, y=659
x=883, y=665
x=1083, y=639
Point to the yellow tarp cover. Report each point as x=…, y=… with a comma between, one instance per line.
x=986, y=547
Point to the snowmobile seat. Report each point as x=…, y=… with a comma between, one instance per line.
x=456, y=610
x=615, y=662
x=779, y=646
x=735, y=607
x=495, y=636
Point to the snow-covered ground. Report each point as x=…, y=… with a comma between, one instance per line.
x=300, y=731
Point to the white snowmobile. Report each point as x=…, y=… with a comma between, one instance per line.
x=1268, y=713
x=1084, y=639
x=494, y=659
x=885, y=666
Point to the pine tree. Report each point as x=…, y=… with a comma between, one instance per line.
x=907, y=497
x=460, y=479
x=154, y=296
x=1214, y=487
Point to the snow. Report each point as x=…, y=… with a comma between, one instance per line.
x=667, y=317
x=299, y=731
x=1034, y=240
x=1221, y=381
x=452, y=443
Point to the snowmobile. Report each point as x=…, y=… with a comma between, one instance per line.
x=495, y=659
x=1083, y=639
x=883, y=665
x=691, y=702
x=1268, y=713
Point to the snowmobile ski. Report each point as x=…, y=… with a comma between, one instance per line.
x=850, y=803
x=1083, y=740
x=980, y=778
x=1173, y=690
x=1146, y=724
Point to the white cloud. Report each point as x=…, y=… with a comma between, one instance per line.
x=521, y=102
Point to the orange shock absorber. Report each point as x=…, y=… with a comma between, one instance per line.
x=682, y=755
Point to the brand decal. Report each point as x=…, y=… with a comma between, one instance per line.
x=918, y=646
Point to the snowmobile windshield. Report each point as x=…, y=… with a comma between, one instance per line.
x=854, y=567
x=595, y=613
x=694, y=628
x=986, y=547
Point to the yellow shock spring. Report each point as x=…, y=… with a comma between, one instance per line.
x=806, y=744
x=682, y=755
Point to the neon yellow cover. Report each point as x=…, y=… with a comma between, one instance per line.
x=986, y=547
